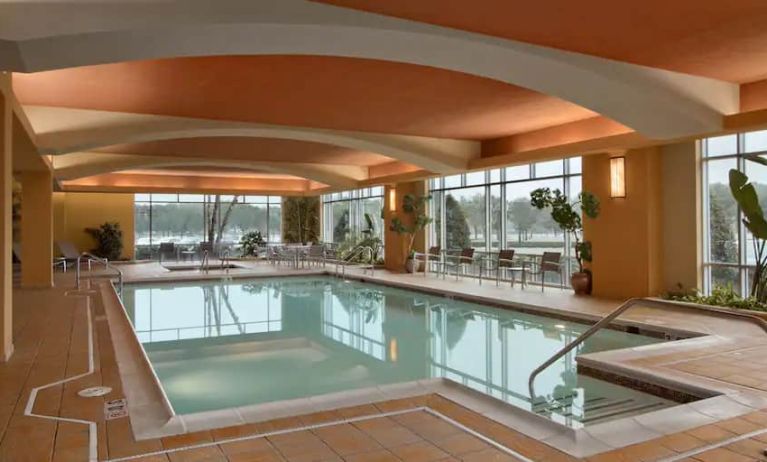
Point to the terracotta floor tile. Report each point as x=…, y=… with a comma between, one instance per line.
x=419, y=452
x=646, y=452
x=488, y=455
x=711, y=433
x=268, y=456
x=375, y=456
x=208, y=454
x=252, y=445
x=461, y=443
x=681, y=442
x=347, y=439
x=187, y=439
x=749, y=448
x=722, y=455
x=739, y=425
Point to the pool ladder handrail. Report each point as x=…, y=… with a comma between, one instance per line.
x=205, y=262
x=103, y=261
x=225, y=257
x=622, y=309
x=355, y=254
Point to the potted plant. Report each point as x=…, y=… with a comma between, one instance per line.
x=250, y=243
x=568, y=216
x=109, y=240
x=747, y=198
x=415, y=208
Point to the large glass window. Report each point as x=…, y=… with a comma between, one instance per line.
x=183, y=218
x=352, y=213
x=490, y=210
x=728, y=246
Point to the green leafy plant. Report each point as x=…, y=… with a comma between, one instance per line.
x=108, y=237
x=415, y=207
x=720, y=296
x=568, y=216
x=250, y=242
x=745, y=195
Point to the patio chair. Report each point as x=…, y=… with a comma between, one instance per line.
x=504, y=263
x=315, y=254
x=69, y=254
x=459, y=262
x=434, y=255
x=550, y=263
x=167, y=248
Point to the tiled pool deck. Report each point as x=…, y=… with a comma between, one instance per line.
x=51, y=339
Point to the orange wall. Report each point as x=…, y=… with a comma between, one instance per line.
x=73, y=212
x=627, y=237
x=396, y=245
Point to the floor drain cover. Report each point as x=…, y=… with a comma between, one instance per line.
x=92, y=392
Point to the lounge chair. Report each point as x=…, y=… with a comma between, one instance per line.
x=69, y=255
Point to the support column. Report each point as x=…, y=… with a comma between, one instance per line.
x=6, y=240
x=627, y=237
x=36, y=229
x=395, y=254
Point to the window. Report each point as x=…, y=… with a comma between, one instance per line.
x=182, y=219
x=727, y=244
x=352, y=213
x=491, y=210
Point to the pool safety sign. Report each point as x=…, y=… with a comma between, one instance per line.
x=115, y=409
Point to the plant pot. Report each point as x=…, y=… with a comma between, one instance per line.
x=412, y=265
x=581, y=283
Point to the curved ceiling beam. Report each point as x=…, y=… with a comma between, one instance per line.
x=78, y=165
x=63, y=130
x=657, y=103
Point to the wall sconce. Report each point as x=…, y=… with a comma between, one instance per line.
x=617, y=177
x=392, y=200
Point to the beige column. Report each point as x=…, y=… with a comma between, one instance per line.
x=36, y=229
x=627, y=237
x=682, y=222
x=396, y=245
x=6, y=188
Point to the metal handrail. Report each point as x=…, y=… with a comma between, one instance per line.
x=205, y=262
x=354, y=254
x=622, y=309
x=103, y=261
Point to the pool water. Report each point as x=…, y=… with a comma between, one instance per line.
x=220, y=344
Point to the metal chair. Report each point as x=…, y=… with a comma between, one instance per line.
x=459, y=262
x=550, y=263
x=316, y=254
x=504, y=262
x=434, y=255
x=167, y=248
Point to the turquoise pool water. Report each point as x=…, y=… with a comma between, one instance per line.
x=231, y=343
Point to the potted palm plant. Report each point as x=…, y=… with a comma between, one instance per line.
x=568, y=216
x=415, y=208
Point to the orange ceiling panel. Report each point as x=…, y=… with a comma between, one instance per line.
x=724, y=39
x=311, y=91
